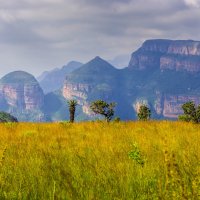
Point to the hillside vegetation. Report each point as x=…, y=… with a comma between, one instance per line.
x=96, y=160
x=6, y=117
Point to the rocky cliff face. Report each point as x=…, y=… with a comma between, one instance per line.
x=23, y=97
x=180, y=63
x=80, y=92
x=170, y=106
x=22, y=94
x=180, y=55
x=76, y=90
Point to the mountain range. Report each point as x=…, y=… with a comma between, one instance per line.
x=163, y=74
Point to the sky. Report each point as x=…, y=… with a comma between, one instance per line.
x=39, y=35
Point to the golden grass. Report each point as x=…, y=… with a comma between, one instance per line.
x=93, y=160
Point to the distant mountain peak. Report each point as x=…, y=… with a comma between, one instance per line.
x=18, y=76
x=98, y=59
x=96, y=65
x=72, y=64
x=53, y=80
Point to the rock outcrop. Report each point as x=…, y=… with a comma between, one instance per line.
x=172, y=107
x=22, y=94
x=79, y=91
x=179, y=55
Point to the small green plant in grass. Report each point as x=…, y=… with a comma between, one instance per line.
x=135, y=154
x=117, y=119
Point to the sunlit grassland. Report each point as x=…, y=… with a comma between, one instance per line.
x=92, y=160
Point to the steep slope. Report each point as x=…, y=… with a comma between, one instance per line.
x=53, y=80
x=21, y=96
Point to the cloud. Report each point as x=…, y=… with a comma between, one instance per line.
x=193, y=3
x=40, y=34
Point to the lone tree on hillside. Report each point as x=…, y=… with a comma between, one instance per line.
x=103, y=108
x=191, y=112
x=72, y=108
x=144, y=113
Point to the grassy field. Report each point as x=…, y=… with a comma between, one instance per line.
x=95, y=160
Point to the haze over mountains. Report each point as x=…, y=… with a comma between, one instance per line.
x=164, y=74
x=53, y=80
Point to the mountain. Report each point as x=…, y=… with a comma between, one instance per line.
x=22, y=96
x=173, y=71
x=53, y=80
x=96, y=79
x=55, y=107
x=162, y=73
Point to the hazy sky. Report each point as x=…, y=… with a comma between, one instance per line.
x=37, y=35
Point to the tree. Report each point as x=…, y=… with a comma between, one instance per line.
x=191, y=113
x=144, y=113
x=103, y=108
x=72, y=108
x=198, y=113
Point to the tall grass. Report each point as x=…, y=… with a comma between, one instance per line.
x=95, y=160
